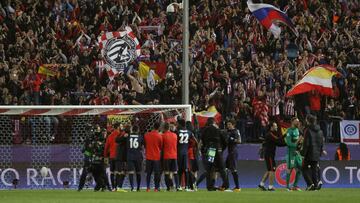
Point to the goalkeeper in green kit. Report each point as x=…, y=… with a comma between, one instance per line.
x=293, y=157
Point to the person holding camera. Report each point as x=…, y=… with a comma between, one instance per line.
x=94, y=159
x=88, y=152
x=214, y=141
x=98, y=164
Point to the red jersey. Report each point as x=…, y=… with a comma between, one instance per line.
x=170, y=145
x=191, y=150
x=111, y=145
x=153, y=145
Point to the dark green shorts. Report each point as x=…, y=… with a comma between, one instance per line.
x=294, y=161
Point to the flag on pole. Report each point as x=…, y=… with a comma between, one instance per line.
x=318, y=78
x=119, y=49
x=268, y=15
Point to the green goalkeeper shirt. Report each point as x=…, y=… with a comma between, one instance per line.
x=292, y=136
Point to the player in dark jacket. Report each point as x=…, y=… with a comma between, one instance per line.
x=134, y=146
x=121, y=160
x=184, y=136
x=272, y=140
x=234, y=139
x=193, y=156
x=312, y=150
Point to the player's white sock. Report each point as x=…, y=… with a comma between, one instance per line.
x=262, y=183
x=271, y=186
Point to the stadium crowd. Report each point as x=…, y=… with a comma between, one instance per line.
x=236, y=64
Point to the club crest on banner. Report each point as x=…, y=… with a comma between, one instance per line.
x=119, y=52
x=350, y=129
x=119, y=49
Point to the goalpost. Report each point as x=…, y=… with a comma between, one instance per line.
x=52, y=136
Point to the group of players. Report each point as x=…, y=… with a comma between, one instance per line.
x=173, y=150
x=304, y=148
x=170, y=149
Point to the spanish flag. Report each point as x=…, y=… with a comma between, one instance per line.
x=318, y=78
x=203, y=116
x=49, y=70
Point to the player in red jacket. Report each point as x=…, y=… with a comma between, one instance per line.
x=153, y=145
x=110, y=152
x=170, y=157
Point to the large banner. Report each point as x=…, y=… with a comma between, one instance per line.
x=119, y=50
x=334, y=174
x=350, y=131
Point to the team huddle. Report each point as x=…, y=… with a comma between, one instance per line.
x=171, y=149
x=165, y=152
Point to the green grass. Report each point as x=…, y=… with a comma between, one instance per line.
x=246, y=195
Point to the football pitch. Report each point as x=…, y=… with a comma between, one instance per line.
x=246, y=195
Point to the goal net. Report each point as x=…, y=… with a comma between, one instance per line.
x=32, y=137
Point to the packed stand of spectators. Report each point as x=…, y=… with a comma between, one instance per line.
x=236, y=64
